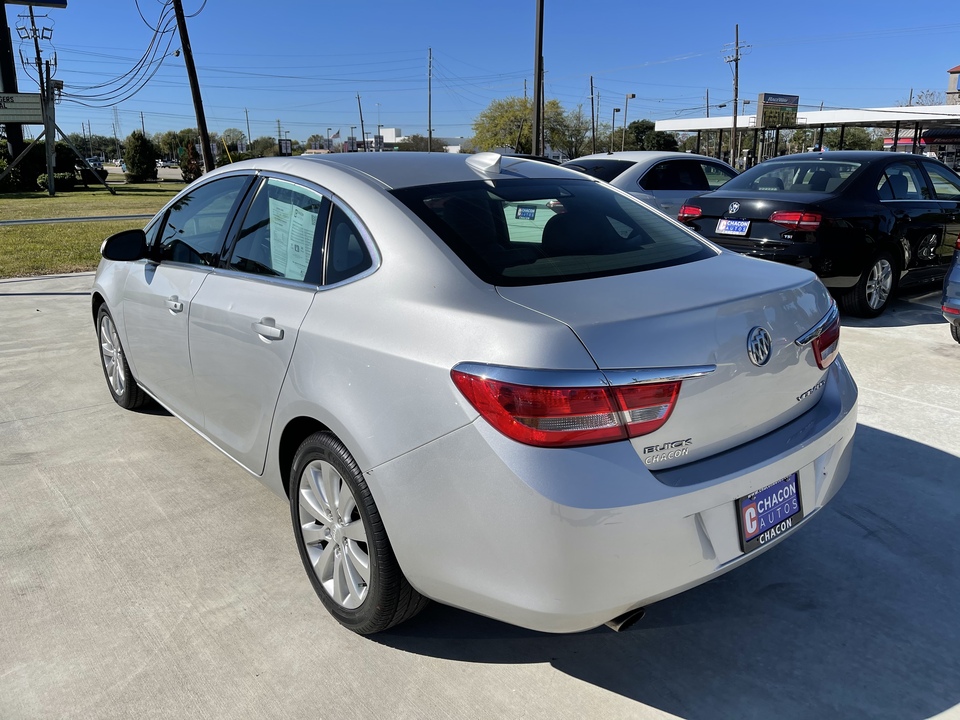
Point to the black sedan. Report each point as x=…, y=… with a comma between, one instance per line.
x=863, y=221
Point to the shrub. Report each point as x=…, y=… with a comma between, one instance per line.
x=62, y=182
x=140, y=157
x=190, y=166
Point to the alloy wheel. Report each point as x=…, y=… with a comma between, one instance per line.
x=879, y=284
x=334, y=534
x=112, y=354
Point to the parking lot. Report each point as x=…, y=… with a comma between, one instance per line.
x=144, y=575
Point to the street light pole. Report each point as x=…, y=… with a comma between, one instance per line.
x=537, y=135
x=613, y=125
x=329, y=142
x=626, y=104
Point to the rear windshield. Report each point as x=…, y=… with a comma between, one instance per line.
x=535, y=231
x=795, y=176
x=605, y=170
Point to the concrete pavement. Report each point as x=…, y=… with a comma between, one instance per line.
x=144, y=575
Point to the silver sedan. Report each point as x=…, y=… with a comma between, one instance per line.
x=665, y=180
x=487, y=381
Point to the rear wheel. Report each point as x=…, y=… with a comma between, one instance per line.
x=871, y=295
x=955, y=331
x=342, y=541
x=123, y=386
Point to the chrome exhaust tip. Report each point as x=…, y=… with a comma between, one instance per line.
x=625, y=621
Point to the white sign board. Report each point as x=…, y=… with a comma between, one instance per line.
x=21, y=108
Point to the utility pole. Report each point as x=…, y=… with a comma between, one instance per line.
x=429, y=101
x=708, y=102
x=593, y=119
x=537, y=148
x=735, y=59
x=249, y=139
x=363, y=133
x=205, y=149
x=143, y=128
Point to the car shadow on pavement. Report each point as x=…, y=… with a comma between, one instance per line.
x=856, y=616
x=917, y=305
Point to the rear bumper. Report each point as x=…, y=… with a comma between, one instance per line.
x=564, y=540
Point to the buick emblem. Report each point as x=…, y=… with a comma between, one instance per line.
x=758, y=346
x=734, y=208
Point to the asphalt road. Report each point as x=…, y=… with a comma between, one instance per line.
x=144, y=575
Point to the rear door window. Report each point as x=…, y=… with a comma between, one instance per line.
x=902, y=181
x=946, y=186
x=283, y=233
x=687, y=175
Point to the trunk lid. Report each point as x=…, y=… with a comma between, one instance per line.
x=700, y=314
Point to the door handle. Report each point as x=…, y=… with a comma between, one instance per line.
x=268, y=329
x=173, y=304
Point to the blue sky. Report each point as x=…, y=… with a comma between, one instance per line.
x=303, y=62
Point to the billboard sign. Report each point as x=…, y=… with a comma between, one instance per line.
x=777, y=110
x=23, y=108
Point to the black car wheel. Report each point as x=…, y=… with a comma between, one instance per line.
x=871, y=295
x=955, y=331
x=342, y=541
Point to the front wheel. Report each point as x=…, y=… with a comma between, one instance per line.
x=871, y=295
x=116, y=370
x=342, y=541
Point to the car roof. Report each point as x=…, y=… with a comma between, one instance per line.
x=391, y=170
x=643, y=156
x=848, y=155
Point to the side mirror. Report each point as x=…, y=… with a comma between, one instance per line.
x=125, y=246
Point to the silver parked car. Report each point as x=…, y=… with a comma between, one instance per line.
x=950, y=302
x=665, y=180
x=488, y=381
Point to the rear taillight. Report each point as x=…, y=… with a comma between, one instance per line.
x=689, y=212
x=958, y=242
x=824, y=338
x=568, y=416
x=950, y=310
x=826, y=346
x=796, y=220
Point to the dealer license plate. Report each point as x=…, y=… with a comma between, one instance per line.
x=768, y=513
x=525, y=212
x=726, y=226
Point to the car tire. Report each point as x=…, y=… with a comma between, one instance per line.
x=342, y=540
x=123, y=386
x=955, y=331
x=871, y=295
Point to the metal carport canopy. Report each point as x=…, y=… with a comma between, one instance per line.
x=869, y=117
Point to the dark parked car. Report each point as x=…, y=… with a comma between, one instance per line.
x=951, y=295
x=863, y=221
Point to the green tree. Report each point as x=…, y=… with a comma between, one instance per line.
x=190, y=166
x=263, y=147
x=854, y=138
x=571, y=135
x=419, y=143
x=509, y=123
x=140, y=157
x=231, y=136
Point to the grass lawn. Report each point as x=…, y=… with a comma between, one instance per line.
x=134, y=199
x=70, y=247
